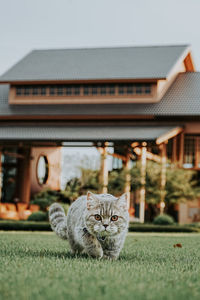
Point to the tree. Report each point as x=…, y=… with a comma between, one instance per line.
x=180, y=184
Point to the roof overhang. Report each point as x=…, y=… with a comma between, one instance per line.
x=84, y=133
x=168, y=135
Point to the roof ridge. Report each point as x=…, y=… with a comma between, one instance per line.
x=112, y=47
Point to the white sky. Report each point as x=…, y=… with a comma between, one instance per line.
x=33, y=24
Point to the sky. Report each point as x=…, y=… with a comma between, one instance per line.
x=37, y=24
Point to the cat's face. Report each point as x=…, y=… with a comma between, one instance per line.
x=106, y=215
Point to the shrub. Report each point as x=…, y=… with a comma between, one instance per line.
x=116, y=181
x=46, y=197
x=163, y=220
x=24, y=225
x=38, y=216
x=161, y=228
x=42, y=202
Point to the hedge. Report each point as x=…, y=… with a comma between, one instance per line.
x=44, y=226
x=161, y=228
x=24, y=225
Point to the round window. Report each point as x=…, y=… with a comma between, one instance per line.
x=42, y=169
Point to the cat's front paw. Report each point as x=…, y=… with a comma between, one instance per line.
x=108, y=257
x=98, y=254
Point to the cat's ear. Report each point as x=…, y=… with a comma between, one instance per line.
x=122, y=202
x=92, y=201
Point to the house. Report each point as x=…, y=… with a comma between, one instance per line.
x=147, y=98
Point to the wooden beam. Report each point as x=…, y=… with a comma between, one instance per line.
x=189, y=63
x=15, y=155
x=123, y=158
x=170, y=134
x=149, y=155
x=143, y=182
x=104, y=169
x=135, y=144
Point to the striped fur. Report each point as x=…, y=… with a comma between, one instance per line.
x=57, y=220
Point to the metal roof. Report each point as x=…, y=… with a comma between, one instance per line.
x=82, y=133
x=182, y=99
x=97, y=64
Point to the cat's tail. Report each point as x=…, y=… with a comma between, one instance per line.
x=57, y=219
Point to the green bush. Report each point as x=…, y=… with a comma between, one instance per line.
x=116, y=181
x=163, y=220
x=38, y=216
x=46, y=197
x=161, y=228
x=42, y=202
x=133, y=227
x=24, y=225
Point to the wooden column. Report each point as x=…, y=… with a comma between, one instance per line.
x=104, y=169
x=174, y=150
x=127, y=190
x=143, y=181
x=181, y=151
x=196, y=161
x=24, y=176
x=0, y=175
x=163, y=176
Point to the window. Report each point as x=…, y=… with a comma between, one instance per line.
x=189, y=152
x=27, y=90
x=60, y=90
x=43, y=90
x=147, y=88
x=101, y=89
x=138, y=89
x=121, y=89
x=86, y=90
x=76, y=90
x=35, y=91
x=94, y=90
x=19, y=90
x=42, y=169
x=111, y=90
x=130, y=89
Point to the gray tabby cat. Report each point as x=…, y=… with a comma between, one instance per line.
x=95, y=224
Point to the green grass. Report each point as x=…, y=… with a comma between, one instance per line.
x=39, y=266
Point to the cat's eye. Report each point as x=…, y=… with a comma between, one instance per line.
x=114, y=218
x=97, y=217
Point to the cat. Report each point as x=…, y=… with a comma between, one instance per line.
x=96, y=224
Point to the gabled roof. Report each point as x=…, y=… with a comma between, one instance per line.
x=153, y=62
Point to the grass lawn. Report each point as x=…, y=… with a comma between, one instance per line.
x=39, y=266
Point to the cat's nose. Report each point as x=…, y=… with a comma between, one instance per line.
x=105, y=225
